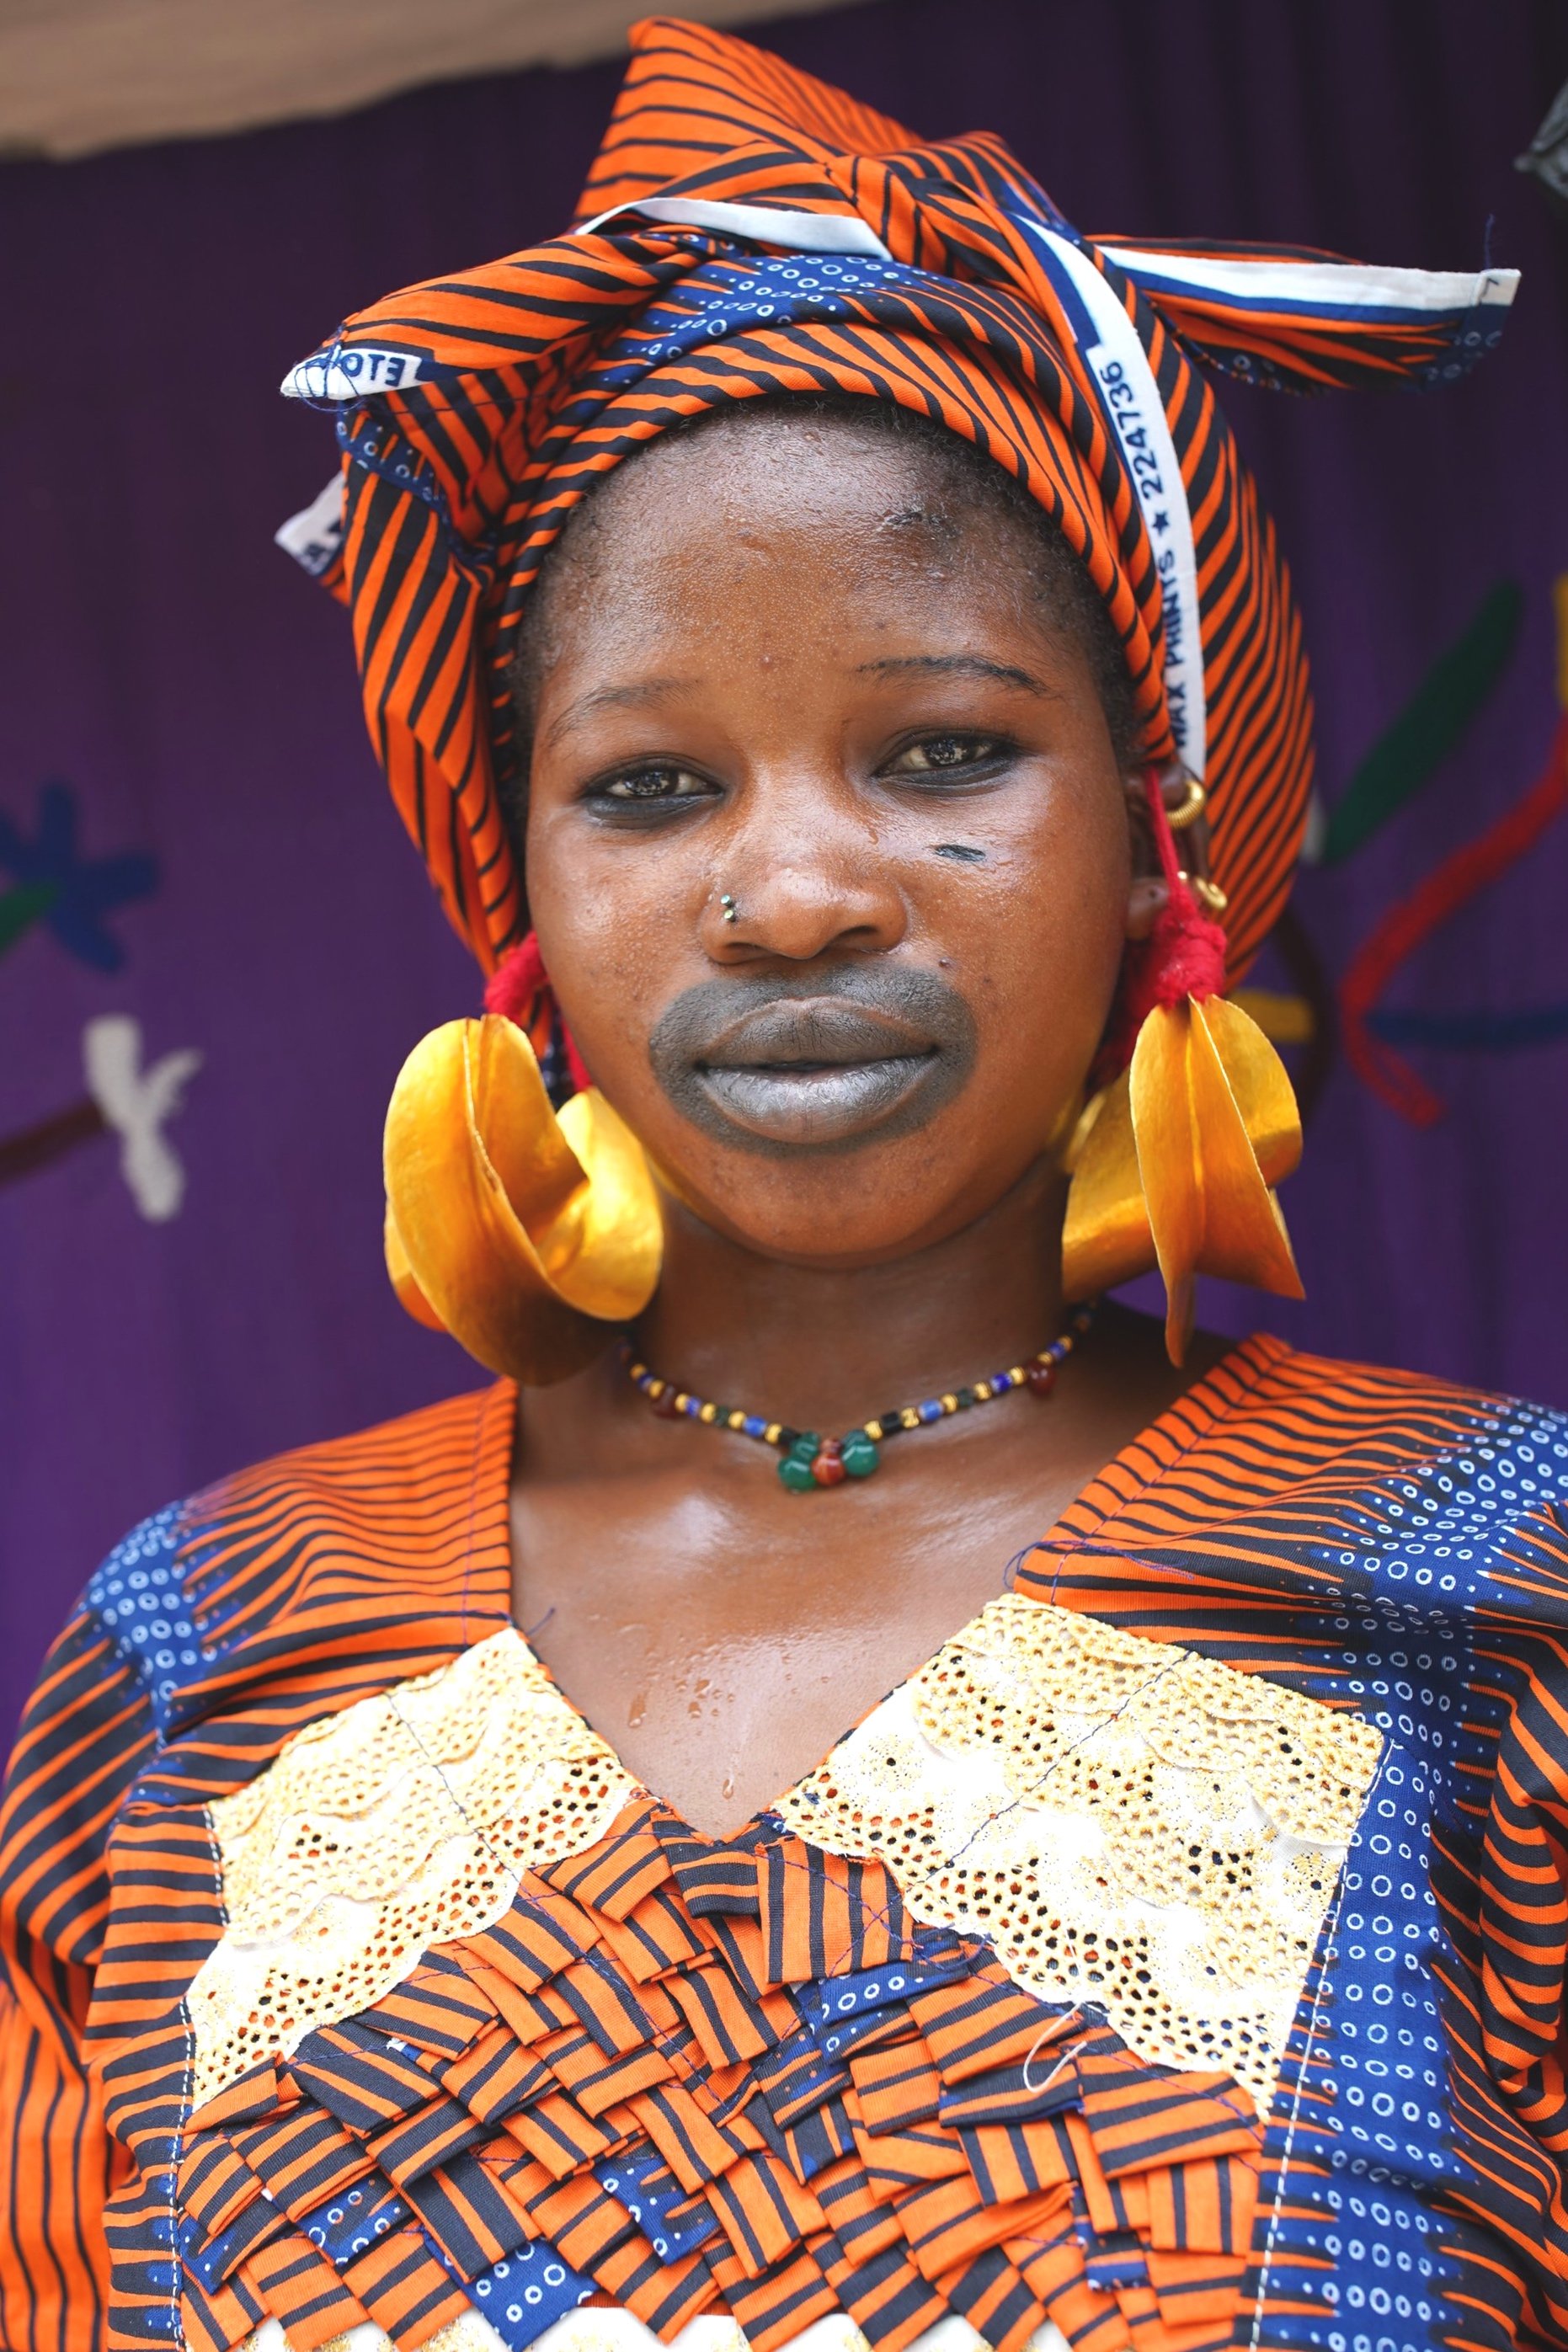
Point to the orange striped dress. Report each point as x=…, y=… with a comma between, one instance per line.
x=1175, y=1961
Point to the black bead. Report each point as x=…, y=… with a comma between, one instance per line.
x=788, y=1437
x=965, y=1397
x=891, y=1425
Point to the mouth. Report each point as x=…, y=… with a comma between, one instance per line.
x=814, y=1072
x=821, y=1067
x=814, y=1102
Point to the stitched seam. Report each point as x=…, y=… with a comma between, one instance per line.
x=1331, y=1928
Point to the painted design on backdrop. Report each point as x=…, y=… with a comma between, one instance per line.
x=56, y=884
x=1400, y=765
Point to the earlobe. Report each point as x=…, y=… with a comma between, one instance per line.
x=1185, y=802
x=1147, y=898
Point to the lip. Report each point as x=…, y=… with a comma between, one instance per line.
x=814, y=1070
x=815, y=1102
x=784, y=1063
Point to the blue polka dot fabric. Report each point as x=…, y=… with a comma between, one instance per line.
x=139, y=1594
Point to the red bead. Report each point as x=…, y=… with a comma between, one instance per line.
x=666, y=1406
x=828, y=1468
x=1042, y=1379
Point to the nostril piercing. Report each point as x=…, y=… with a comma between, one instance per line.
x=728, y=904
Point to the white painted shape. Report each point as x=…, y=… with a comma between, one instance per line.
x=137, y=1105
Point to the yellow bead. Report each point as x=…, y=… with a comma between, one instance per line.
x=708, y=1412
x=656, y=1387
x=950, y=1402
x=772, y=1433
x=1017, y=1376
x=908, y=1417
x=737, y=1420
x=874, y=1429
x=682, y=1400
x=982, y=1392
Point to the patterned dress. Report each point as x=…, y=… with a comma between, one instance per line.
x=1175, y=1961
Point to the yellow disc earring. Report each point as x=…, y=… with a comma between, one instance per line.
x=526, y=1233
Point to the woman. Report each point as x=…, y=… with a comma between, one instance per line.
x=826, y=577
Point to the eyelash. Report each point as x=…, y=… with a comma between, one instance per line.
x=985, y=752
x=655, y=784
x=615, y=789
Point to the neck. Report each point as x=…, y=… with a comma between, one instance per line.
x=820, y=1346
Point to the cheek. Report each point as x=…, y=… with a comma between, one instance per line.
x=617, y=937
x=1035, y=942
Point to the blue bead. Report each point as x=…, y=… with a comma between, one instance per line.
x=693, y=1407
x=755, y=1425
x=931, y=1410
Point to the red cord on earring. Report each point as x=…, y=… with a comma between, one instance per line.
x=1184, y=954
x=518, y=989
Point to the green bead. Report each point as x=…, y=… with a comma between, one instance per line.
x=797, y=1476
x=861, y=1454
x=806, y=1447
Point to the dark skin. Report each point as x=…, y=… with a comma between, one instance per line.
x=779, y=665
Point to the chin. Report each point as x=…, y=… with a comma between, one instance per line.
x=835, y=1224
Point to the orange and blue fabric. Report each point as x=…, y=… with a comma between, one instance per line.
x=748, y=231
x=1175, y=1962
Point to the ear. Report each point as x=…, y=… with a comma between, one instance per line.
x=1183, y=796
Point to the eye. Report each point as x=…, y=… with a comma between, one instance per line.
x=937, y=755
x=651, y=780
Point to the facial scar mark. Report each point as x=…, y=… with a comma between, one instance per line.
x=961, y=850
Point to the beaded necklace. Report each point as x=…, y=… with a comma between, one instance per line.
x=806, y=1461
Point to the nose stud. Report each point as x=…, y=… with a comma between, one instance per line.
x=731, y=912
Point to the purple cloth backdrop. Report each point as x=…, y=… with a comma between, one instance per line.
x=195, y=695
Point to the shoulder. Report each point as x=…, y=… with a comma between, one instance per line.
x=1294, y=1418
x=1311, y=1463
x=390, y=1537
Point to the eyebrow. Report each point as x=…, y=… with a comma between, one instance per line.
x=613, y=697
x=963, y=666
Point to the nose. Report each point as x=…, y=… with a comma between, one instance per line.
x=801, y=873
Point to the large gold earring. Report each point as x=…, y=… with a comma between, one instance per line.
x=523, y=1234
x=1174, y=1163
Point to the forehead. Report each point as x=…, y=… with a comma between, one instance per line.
x=746, y=478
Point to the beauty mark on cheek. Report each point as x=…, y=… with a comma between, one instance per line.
x=964, y=852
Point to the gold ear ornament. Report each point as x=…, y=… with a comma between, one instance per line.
x=1174, y=1161
x=528, y=1234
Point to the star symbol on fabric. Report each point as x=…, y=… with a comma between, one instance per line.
x=59, y=886
x=1162, y=520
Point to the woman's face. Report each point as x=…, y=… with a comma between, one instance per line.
x=782, y=675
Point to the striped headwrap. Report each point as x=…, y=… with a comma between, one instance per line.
x=748, y=230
